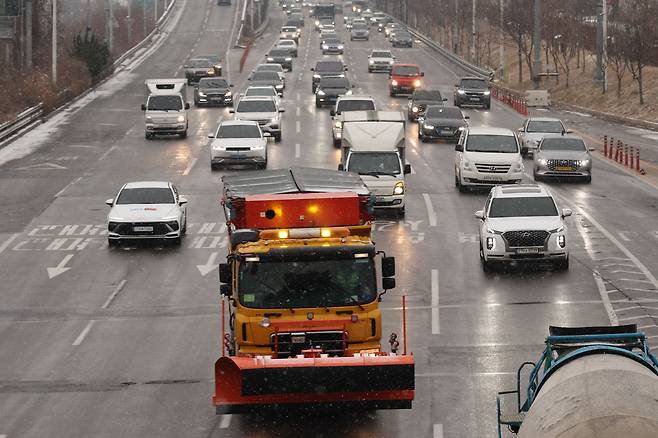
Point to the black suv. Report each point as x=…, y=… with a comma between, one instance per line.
x=420, y=100
x=326, y=68
x=329, y=88
x=473, y=91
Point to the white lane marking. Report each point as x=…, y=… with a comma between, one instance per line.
x=60, y=268
x=107, y=152
x=225, y=422
x=298, y=126
x=436, y=328
x=115, y=292
x=437, y=431
x=299, y=97
x=84, y=333
x=430, y=210
x=209, y=266
x=190, y=165
x=6, y=244
x=298, y=111
x=298, y=151
x=603, y=291
x=623, y=236
x=58, y=194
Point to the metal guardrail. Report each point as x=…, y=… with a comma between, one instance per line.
x=25, y=120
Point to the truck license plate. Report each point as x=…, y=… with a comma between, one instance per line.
x=527, y=250
x=143, y=229
x=298, y=339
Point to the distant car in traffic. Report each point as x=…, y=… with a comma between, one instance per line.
x=268, y=78
x=146, y=210
x=404, y=79
x=522, y=223
x=216, y=61
x=262, y=90
x=213, y=91
x=280, y=56
x=402, y=39
x=562, y=156
x=290, y=33
x=271, y=67
x=535, y=128
x=289, y=45
x=332, y=46
x=198, y=68
x=238, y=142
x=380, y=60
x=326, y=68
x=325, y=36
x=441, y=122
x=472, y=91
x=329, y=88
x=263, y=110
x=346, y=104
x=359, y=31
x=420, y=99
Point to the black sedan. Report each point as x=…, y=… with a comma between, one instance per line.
x=444, y=122
x=420, y=100
x=329, y=88
x=280, y=56
x=213, y=91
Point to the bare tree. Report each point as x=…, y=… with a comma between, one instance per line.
x=617, y=58
x=641, y=27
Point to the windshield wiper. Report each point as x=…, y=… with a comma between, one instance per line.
x=356, y=302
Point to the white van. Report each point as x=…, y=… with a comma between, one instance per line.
x=486, y=157
x=165, y=107
x=373, y=145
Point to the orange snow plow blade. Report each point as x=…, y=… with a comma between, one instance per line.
x=371, y=381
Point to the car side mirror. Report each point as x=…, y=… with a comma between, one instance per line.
x=187, y=105
x=407, y=169
x=566, y=212
x=569, y=131
x=224, y=273
x=312, y=68
x=225, y=290
x=388, y=266
x=341, y=167
x=346, y=69
x=332, y=113
x=521, y=130
x=282, y=110
x=459, y=148
x=182, y=201
x=110, y=202
x=467, y=117
x=211, y=135
x=186, y=66
x=143, y=107
x=480, y=214
x=231, y=85
x=231, y=111
x=445, y=99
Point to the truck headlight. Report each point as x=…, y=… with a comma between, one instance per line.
x=279, y=87
x=399, y=188
x=561, y=240
x=518, y=166
x=394, y=83
x=466, y=164
x=180, y=119
x=417, y=83
x=491, y=243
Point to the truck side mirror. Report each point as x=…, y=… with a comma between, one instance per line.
x=143, y=107
x=388, y=283
x=422, y=73
x=341, y=167
x=225, y=290
x=407, y=169
x=388, y=266
x=459, y=147
x=187, y=105
x=224, y=273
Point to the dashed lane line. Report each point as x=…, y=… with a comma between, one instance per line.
x=298, y=126
x=603, y=291
x=436, y=328
x=430, y=210
x=298, y=152
x=225, y=422
x=190, y=165
x=6, y=244
x=81, y=337
x=114, y=294
x=437, y=431
x=68, y=186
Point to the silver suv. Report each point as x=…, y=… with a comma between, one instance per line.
x=522, y=223
x=263, y=110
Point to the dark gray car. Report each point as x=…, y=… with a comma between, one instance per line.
x=280, y=56
x=268, y=78
x=444, y=122
x=473, y=91
x=420, y=100
x=329, y=88
x=213, y=91
x=402, y=39
x=198, y=68
x=326, y=68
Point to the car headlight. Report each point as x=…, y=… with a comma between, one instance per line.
x=348, y=92
x=211, y=71
x=417, y=83
x=149, y=119
x=518, y=166
x=414, y=109
x=325, y=47
x=288, y=59
x=394, y=83
x=340, y=47
x=399, y=188
x=320, y=92
x=270, y=59
x=430, y=127
x=228, y=94
x=217, y=66
x=461, y=92
x=461, y=128
x=317, y=22
x=217, y=147
x=542, y=161
x=562, y=240
x=466, y=164
x=202, y=94
x=372, y=61
x=491, y=243
x=391, y=62
x=279, y=86
x=274, y=120
x=337, y=125
x=486, y=93
x=181, y=119
x=584, y=163
x=316, y=76
x=173, y=224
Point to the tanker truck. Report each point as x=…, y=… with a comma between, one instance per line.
x=590, y=382
x=302, y=287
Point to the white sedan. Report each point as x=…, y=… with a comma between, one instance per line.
x=238, y=142
x=147, y=210
x=289, y=45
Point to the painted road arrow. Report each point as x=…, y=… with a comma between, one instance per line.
x=209, y=266
x=60, y=268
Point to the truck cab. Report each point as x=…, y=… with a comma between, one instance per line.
x=373, y=146
x=165, y=107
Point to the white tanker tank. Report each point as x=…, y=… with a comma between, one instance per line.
x=590, y=382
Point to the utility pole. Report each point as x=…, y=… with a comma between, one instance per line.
x=129, y=22
x=88, y=25
x=536, y=42
x=601, y=43
x=501, y=67
x=145, y=28
x=473, y=32
x=455, y=35
x=110, y=28
x=155, y=11
x=54, y=44
x=28, y=34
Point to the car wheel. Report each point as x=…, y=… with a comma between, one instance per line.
x=184, y=230
x=462, y=187
x=183, y=134
x=113, y=242
x=488, y=106
x=177, y=241
x=317, y=104
x=277, y=138
x=536, y=176
x=401, y=213
x=486, y=266
x=214, y=166
x=588, y=179
x=562, y=265
x=392, y=93
x=290, y=70
x=337, y=143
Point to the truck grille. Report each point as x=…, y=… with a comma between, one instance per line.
x=562, y=164
x=492, y=168
x=517, y=239
x=292, y=344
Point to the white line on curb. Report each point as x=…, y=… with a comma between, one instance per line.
x=436, y=328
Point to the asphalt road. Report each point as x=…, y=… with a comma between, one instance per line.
x=98, y=341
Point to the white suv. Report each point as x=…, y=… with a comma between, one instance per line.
x=487, y=157
x=263, y=110
x=238, y=142
x=348, y=103
x=522, y=223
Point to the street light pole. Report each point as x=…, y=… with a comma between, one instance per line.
x=54, y=44
x=473, y=32
x=536, y=43
x=502, y=40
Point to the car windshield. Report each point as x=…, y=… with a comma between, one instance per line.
x=288, y=29
x=307, y=283
x=332, y=41
x=473, y=83
x=279, y=52
x=286, y=43
x=434, y=112
x=334, y=83
x=238, y=131
x=563, y=144
x=256, y=106
x=329, y=66
x=261, y=92
x=213, y=83
x=382, y=54
x=522, y=207
x=270, y=67
x=552, y=126
x=402, y=35
x=428, y=95
x=355, y=105
x=146, y=195
x=266, y=76
x=165, y=103
x=359, y=26
x=366, y=163
x=200, y=63
x=492, y=143
x=406, y=70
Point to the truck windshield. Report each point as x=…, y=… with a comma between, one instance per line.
x=374, y=163
x=312, y=283
x=355, y=105
x=165, y=103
